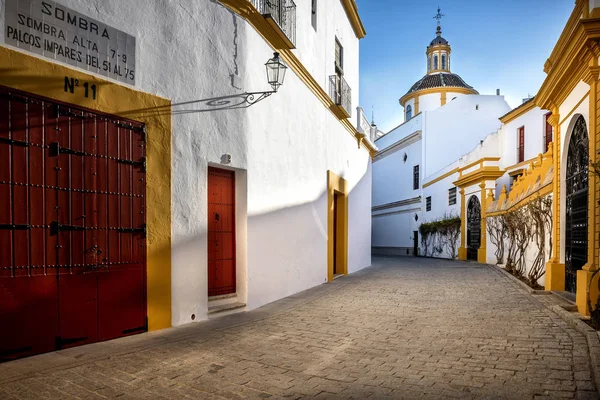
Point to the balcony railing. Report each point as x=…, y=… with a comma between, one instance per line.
x=283, y=12
x=340, y=93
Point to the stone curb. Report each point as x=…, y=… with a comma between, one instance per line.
x=520, y=282
x=593, y=340
x=592, y=337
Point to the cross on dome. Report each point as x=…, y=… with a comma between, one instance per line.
x=439, y=17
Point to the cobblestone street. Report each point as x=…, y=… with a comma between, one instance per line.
x=405, y=329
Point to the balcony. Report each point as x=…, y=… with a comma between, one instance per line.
x=281, y=14
x=341, y=94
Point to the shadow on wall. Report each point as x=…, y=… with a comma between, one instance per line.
x=229, y=102
x=286, y=252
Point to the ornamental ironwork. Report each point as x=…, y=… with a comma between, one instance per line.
x=576, y=184
x=283, y=12
x=473, y=228
x=340, y=92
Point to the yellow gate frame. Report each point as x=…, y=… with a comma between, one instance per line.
x=339, y=186
x=43, y=78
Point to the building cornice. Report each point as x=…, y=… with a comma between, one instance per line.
x=571, y=58
x=404, y=142
x=441, y=177
x=478, y=176
x=480, y=162
x=247, y=11
x=441, y=89
x=352, y=13
x=401, y=203
x=518, y=111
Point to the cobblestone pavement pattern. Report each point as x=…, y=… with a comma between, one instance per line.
x=405, y=329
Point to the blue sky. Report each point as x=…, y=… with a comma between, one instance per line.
x=495, y=45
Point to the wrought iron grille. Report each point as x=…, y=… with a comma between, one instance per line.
x=340, y=92
x=577, y=204
x=283, y=12
x=473, y=228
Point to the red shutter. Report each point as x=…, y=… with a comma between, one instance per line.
x=521, y=147
x=548, y=131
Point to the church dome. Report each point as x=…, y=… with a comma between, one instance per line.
x=438, y=41
x=439, y=80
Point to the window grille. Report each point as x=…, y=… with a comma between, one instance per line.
x=452, y=196
x=415, y=177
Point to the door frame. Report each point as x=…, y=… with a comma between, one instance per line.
x=234, y=227
x=46, y=79
x=337, y=185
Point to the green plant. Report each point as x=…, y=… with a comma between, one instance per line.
x=439, y=234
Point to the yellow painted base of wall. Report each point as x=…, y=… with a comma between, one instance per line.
x=462, y=254
x=583, y=282
x=482, y=256
x=555, y=276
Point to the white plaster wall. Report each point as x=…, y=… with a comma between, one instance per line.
x=440, y=207
x=459, y=123
x=400, y=132
x=393, y=178
x=396, y=229
x=439, y=199
x=534, y=122
x=281, y=147
x=316, y=49
x=430, y=102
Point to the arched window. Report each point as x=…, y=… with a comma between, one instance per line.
x=408, y=112
x=443, y=61
x=428, y=63
x=435, y=62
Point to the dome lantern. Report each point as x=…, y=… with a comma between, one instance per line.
x=438, y=51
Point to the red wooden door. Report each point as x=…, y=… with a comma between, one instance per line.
x=122, y=266
x=72, y=226
x=221, y=232
x=28, y=286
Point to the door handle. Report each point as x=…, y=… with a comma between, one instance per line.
x=217, y=216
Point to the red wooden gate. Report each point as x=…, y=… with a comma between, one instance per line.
x=221, y=232
x=72, y=226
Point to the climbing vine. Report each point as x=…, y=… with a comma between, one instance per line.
x=439, y=235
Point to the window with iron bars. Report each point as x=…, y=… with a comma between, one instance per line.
x=281, y=11
x=415, y=177
x=452, y=196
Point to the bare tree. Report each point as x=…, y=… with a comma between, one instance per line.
x=540, y=211
x=498, y=232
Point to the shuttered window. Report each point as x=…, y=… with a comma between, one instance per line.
x=452, y=196
x=314, y=14
x=521, y=144
x=428, y=203
x=339, y=57
x=548, y=136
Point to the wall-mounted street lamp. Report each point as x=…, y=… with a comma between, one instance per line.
x=275, y=72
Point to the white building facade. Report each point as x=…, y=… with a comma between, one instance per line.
x=239, y=195
x=445, y=118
